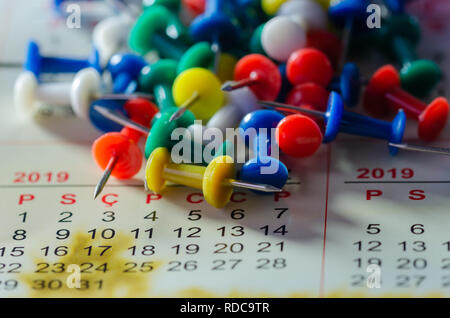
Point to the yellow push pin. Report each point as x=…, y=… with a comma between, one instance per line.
x=199, y=90
x=216, y=180
x=227, y=64
x=271, y=7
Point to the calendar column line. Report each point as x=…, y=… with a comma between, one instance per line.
x=322, y=272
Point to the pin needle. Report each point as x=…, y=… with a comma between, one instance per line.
x=10, y=65
x=275, y=105
x=120, y=119
x=254, y=186
x=106, y=174
x=230, y=86
x=216, y=49
x=436, y=150
x=185, y=106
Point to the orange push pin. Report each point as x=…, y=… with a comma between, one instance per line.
x=216, y=180
x=117, y=152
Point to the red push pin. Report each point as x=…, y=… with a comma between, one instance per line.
x=300, y=135
x=117, y=152
x=259, y=73
x=326, y=42
x=309, y=65
x=384, y=93
x=309, y=95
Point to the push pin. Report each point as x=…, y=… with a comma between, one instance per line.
x=311, y=65
x=399, y=35
x=384, y=92
x=395, y=6
x=117, y=152
x=39, y=64
x=194, y=7
x=286, y=33
x=337, y=120
x=201, y=55
x=86, y=88
x=199, y=90
x=326, y=42
x=270, y=7
x=420, y=148
x=259, y=73
x=151, y=32
x=215, y=27
x=158, y=79
x=216, y=180
x=239, y=103
x=162, y=127
x=263, y=168
x=116, y=117
x=125, y=69
x=110, y=36
x=347, y=12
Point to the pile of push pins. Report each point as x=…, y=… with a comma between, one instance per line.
x=160, y=65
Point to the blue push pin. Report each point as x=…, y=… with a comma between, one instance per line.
x=215, y=27
x=262, y=168
x=38, y=64
x=346, y=12
x=395, y=6
x=125, y=70
x=348, y=84
x=338, y=120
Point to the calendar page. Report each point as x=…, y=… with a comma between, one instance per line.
x=351, y=222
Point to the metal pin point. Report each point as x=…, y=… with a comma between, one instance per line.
x=125, y=96
x=11, y=65
x=275, y=105
x=106, y=174
x=429, y=149
x=231, y=86
x=120, y=119
x=185, y=106
x=254, y=186
x=215, y=47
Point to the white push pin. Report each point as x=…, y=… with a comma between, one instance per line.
x=29, y=94
x=286, y=33
x=87, y=87
x=240, y=102
x=110, y=36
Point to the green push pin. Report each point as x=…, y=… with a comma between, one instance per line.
x=202, y=55
x=158, y=29
x=401, y=34
x=198, y=55
x=255, y=41
x=158, y=79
